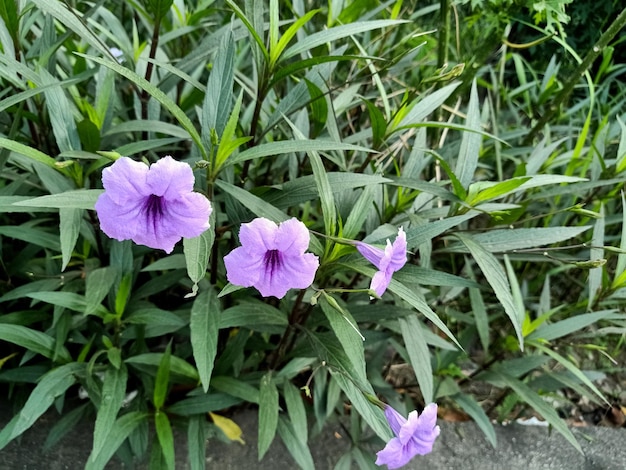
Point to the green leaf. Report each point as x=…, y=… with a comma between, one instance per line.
x=89, y=135
x=29, y=152
x=196, y=442
x=159, y=8
x=32, y=235
x=492, y=191
x=10, y=16
x=552, y=331
x=470, y=142
x=178, y=366
x=218, y=99
x=319, y=107
x=378, y=124
x=415, y=236
x=79, y=199
x=236, y=388
x=73, y=20
x=596, y=253
x=268, y=413
x=497, y=278
x=620, y=163
x=70, y=220
x=339, y=32
x=60, y=114
x=530, y=397
x=620, y=267
x=280, y=45
x=329, y=211
x=421, y=108
x=228, y=142
x=372, y=415
x=304, y=189
x=176, y=261
x=296, y=411
x=254, y=203
x=244, y=19
x=347, y=332
x=32, y=340
x=68, y=300
x=575, y=371
x=166, y=438
x=198, y=405
x=97, y=285
x=291, y=146
x=417, y=348
x=113, y=391
x=122, y=428
x=297, y=448
x=204, y=326
x=162, y=379
x=498, y=241
x=155, y=93
x=197, y=252
x=53, y=384
x=472, y=408
x=66, y=424
x=254, y=315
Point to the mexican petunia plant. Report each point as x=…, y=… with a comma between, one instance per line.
x=319, y=215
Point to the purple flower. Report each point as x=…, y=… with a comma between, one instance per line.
x=388, y=261
x=414, y=436
x=272, y=258
x=153, y=206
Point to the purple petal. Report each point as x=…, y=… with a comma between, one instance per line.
x=170, y=179
x=242, y=269
x=292, y=237
x=130, y=208
x=394, y=455
x=420, y=432
x=398, y=256
x=125, y=181
x=395, y=419
x=119, y=221
x=291, y=272
x=370, y=253
x=189, y=215
x=380, y=282
x=258, y=236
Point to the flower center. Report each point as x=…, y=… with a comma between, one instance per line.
x=154, y=209
x=273, y=260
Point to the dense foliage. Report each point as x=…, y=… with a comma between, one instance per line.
x=364, y=120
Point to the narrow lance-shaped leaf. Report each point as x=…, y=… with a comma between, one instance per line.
x=70, y=220
x=596, y=253
x=155, y=93
x=218, y=99
x=497, y=278
x=162, y=379
x=470, y=142
x=268, y=413
x=347, y=332
x=166, y=438
x=197, y=252
x=204, y=326
x=419, y=355
x=113, y=390
x=53, y=384
x=119, y=432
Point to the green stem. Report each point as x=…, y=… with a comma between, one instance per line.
x=444, y=33
x=145, y=97
x=582, y=68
